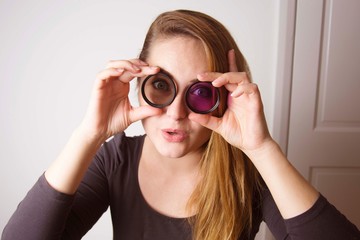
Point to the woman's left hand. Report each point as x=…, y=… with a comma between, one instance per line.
x=243, y=124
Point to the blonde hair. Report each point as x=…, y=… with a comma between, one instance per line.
x=224, y=197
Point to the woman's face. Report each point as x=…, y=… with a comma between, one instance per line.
x=172, y=133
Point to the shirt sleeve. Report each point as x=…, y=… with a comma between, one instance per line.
x=321, y=221
x=45, y=213
x=40, y=215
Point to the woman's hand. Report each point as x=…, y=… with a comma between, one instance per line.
x=243, y=124
x=109, y=110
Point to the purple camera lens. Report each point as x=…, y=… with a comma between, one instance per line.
x=158, y=90
x=202, y=97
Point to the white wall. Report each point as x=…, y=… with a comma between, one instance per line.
x=50, y=52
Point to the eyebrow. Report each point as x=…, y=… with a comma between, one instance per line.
x=172, y=77
x=166, y=73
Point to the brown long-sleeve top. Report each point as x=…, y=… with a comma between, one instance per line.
x=112, y=180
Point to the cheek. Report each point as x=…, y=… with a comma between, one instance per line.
x=152, y=124
x=203, y=133
x=148, y=123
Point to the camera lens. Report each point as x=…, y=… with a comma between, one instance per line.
x=202, y=97
x=158, y=90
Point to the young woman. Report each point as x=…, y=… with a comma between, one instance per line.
x=207, y=167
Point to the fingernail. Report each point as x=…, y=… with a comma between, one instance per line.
x=235, y=93
x=216, y=82
x=136, y=68
x=120, y=70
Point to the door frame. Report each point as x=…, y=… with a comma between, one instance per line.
x=284, y=72
x=286, y=23
x=283, y=78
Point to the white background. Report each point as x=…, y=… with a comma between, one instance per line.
x=50, y=52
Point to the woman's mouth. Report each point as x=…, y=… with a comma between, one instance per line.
x=174, y=135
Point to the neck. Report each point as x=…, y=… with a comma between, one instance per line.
x=188, y=164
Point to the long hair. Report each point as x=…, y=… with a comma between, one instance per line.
x=223, y=199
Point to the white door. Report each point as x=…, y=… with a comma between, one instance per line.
x=324, y=126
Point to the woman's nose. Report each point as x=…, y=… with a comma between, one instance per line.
x=177, y=109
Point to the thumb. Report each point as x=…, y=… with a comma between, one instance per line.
x=142, y=112
x=207, y=121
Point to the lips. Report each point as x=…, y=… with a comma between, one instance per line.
x=174, y=135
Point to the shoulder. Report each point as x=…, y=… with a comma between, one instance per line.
x=121, y=143
x=118, y=150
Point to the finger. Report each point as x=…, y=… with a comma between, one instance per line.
x=221, y=79
x=208, y=76
x=148, y=70
x=110, y=72
x=249, y=89
x=133, y=65
x=231, y=78
x=232, y=61
x=205, y=120
x=127, y=76
x=139, y=62
x=142, y=112
x=212, y=77
x=118, y=63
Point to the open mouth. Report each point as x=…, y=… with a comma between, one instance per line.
x=174, y=135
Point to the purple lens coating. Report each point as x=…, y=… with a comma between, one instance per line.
x=202, y=97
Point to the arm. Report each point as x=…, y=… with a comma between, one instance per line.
x=321, y=221
x=46, y=213
x=109, y=112
x=52, y=207
x=243, y=125
x=292, y=193
x=33, y=218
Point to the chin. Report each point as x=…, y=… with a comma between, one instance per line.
x=171, y=151
x=179, y=150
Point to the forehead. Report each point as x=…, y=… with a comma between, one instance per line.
x=182, y=57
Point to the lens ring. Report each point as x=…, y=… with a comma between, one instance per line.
x=148, y=101
x=197, y=110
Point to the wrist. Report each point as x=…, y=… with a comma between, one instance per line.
x=89, y=136
x=67, y=171
x=91, y=131
x=264, y=151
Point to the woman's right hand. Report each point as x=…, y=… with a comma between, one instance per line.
x=110, y=111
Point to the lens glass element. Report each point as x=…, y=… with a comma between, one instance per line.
x=202, y=97
x=158, y=90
